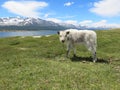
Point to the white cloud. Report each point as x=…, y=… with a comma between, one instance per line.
x=46, y=15
x=54, y=20
x=74, y=22
x=102, y=23
x=66, y=17
x=88, y=23
x=68, y=3
x=85, y=22
x=25, y=8
x=107, y=8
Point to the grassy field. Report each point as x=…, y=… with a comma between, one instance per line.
x=40, y=64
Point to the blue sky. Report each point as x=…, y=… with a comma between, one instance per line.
x=84, y=12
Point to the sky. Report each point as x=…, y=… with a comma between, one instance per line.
x=83, y=12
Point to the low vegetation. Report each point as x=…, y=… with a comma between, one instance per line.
x=40, y=64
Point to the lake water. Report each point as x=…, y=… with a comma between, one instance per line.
x=27, y=33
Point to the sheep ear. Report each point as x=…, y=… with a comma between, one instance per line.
x=67, y=32
x=58, y=32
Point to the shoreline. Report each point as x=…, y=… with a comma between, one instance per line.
x=25, y=33
x=18, y=30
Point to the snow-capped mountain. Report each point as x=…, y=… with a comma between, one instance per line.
x=19, y=21
x=10, y=21
x=37, y=23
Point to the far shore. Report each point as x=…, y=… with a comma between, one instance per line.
x=15, y=30
x=21, y=30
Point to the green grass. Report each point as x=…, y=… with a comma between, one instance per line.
x=40, y=64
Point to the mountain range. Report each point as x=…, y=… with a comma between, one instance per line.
x=20, y=23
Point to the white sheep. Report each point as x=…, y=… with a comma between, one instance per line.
x=73, y=36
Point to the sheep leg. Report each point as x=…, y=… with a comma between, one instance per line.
x=69, y=46
x=94, y=57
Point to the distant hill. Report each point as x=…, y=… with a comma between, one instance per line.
x=20, y=23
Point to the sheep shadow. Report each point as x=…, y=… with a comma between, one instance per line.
x=88, y=59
